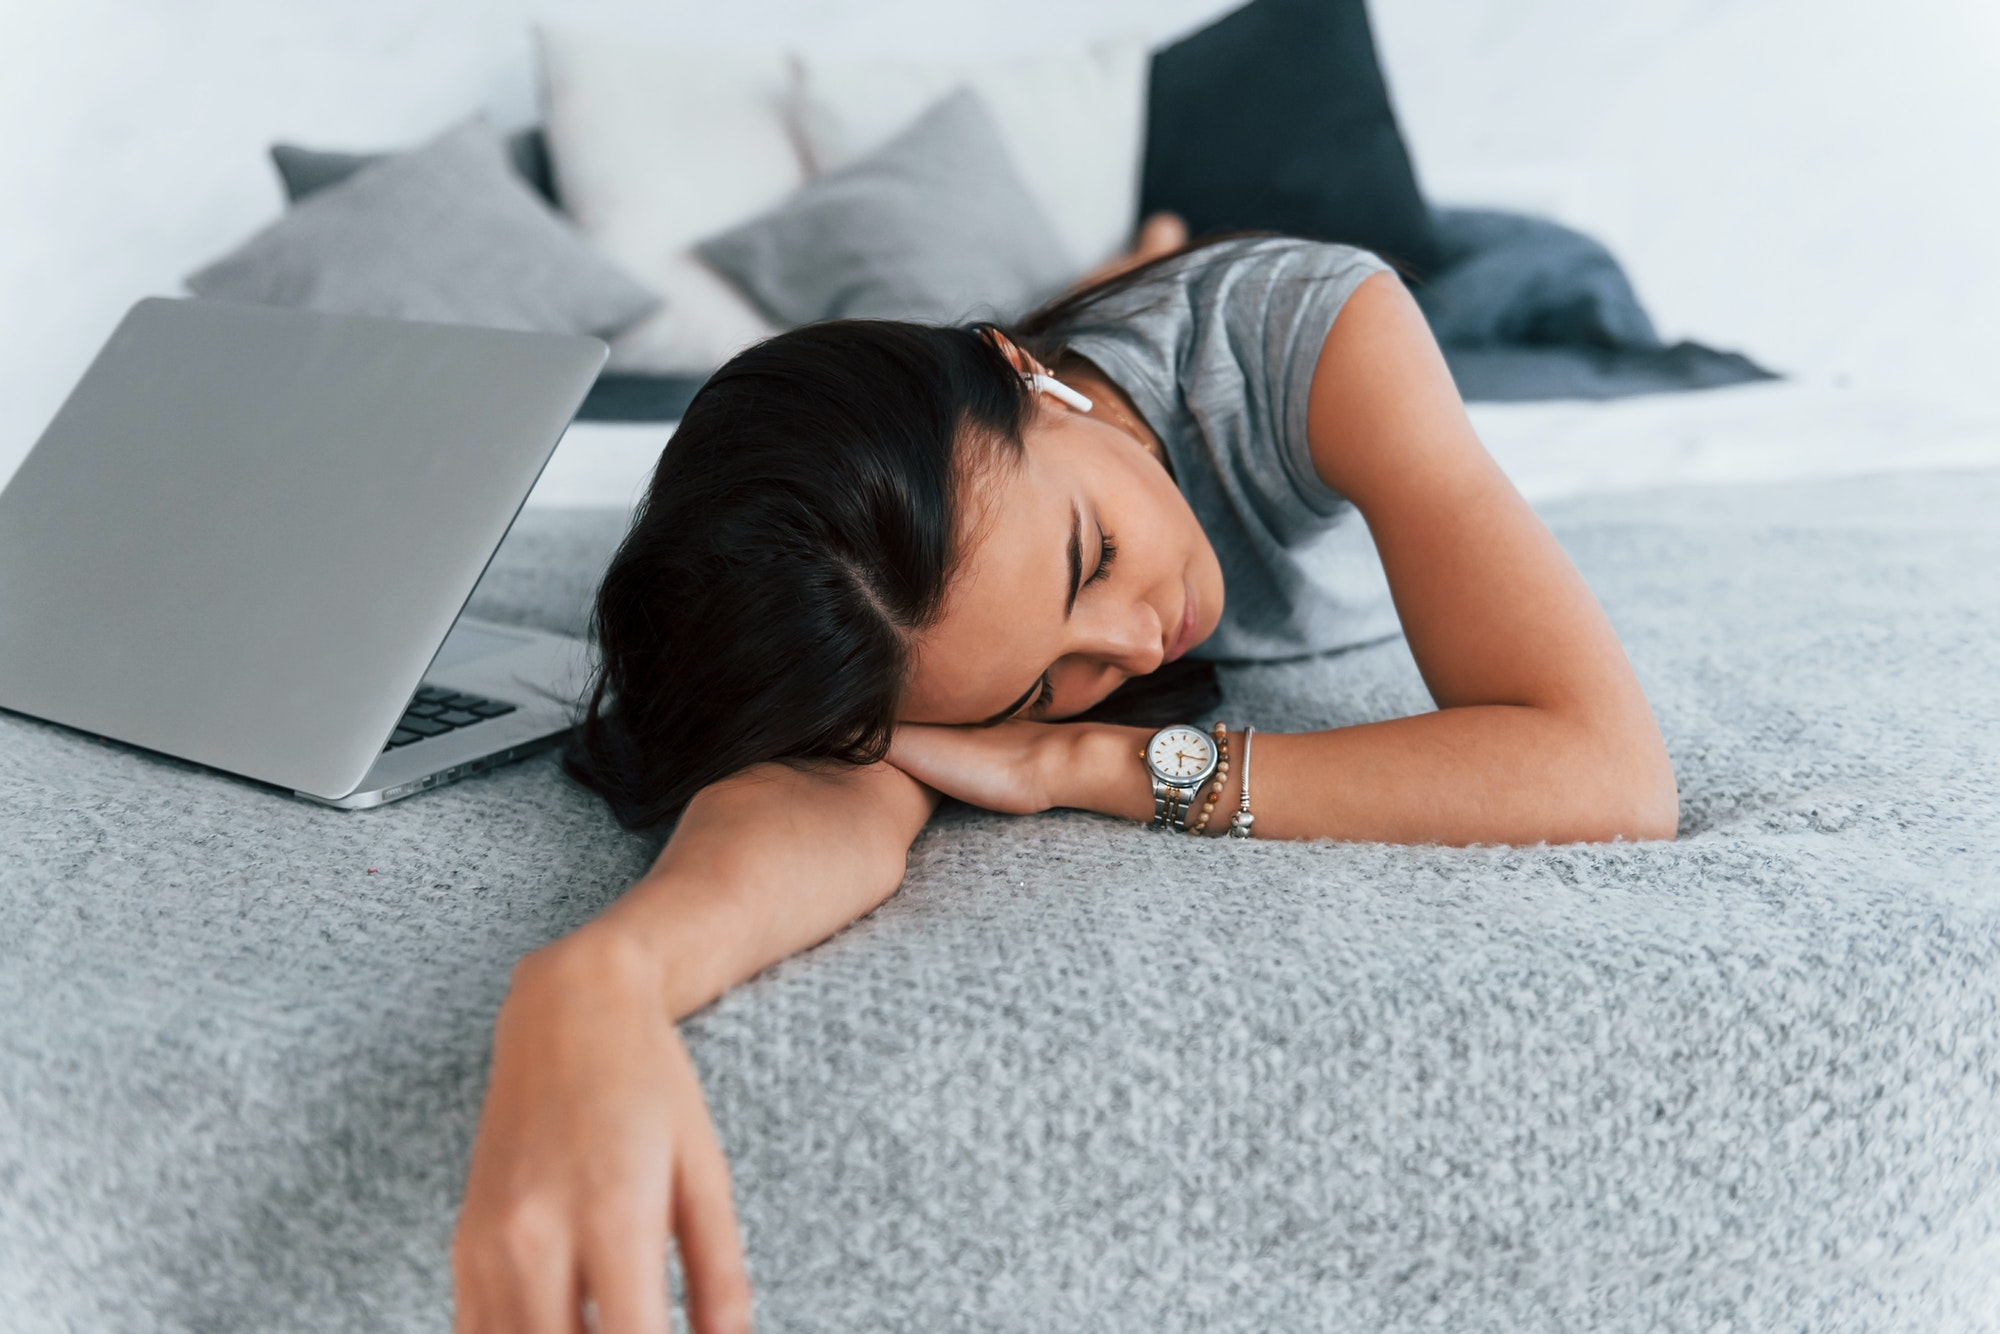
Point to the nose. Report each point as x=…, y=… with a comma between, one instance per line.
x=1129, y=638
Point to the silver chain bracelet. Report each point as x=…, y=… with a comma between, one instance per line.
x=1240, y=822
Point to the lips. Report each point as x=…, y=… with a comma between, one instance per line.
x=1184, y=636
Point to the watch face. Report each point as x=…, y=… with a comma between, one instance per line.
x=1181, y=755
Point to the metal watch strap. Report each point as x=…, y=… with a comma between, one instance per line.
x=1170, y=805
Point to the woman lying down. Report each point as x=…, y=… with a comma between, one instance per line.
x=884, y=563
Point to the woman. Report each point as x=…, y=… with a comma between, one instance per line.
x=882, y=564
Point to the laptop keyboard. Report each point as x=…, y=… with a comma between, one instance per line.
x=434, y=712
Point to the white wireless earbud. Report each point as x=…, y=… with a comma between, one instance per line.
x=1049, y=384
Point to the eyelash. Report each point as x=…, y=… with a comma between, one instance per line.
x=1107, y=551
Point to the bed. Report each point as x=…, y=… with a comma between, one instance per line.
x=1069, y=1077
x=1796, y=428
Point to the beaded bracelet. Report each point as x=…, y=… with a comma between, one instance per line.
x=1200, y=826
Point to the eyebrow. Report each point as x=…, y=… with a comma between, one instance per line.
x=1069, y=606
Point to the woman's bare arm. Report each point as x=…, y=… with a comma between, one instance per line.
x=1542, y=727
x=594, y=1144
x=763, y=865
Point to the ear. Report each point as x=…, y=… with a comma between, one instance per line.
x=1016, y=358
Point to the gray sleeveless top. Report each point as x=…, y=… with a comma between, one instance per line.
x=1218, y=355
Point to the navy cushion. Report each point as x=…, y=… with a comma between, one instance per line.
x=1276, y=117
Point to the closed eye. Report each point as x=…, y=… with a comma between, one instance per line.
x=1107, y=551
x=1045, y=693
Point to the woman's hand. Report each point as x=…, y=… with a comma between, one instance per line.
x=1021, y=767
x=1016, y=767
x=594, y=1144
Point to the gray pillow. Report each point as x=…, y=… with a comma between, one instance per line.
x=305, y=171
x=935, y=225
x=447, y=232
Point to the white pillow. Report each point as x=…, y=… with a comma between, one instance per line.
x=1074, y=122
x=656, y=144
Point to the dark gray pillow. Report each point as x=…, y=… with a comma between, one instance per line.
x=935, y=225
x=1276, y=116
x=304, y=171
x=447, y=232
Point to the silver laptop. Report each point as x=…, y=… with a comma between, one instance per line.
x=246, y=538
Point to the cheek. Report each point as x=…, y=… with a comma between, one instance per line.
x=1172, y=528
x=1178, y=545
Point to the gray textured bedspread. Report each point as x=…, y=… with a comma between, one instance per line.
x=1074, y=1076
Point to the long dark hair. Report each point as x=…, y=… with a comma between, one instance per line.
x=801, y=528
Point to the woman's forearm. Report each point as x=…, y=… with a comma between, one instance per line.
x=761, y=866
x=1485, y=773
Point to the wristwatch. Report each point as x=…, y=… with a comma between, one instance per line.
x=1180, y=759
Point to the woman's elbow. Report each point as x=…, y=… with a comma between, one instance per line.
x=1655, y=816
x=1642, y=799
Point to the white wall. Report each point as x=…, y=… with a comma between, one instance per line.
x=1812, y=181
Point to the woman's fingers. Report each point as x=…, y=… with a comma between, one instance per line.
x=521, y=1277
x=626, y=1264
x=542, y=1267
x=625, y=1270
x=594, y=1142
x=704, y=1217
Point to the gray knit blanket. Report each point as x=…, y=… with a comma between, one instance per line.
x=1073, y=1076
